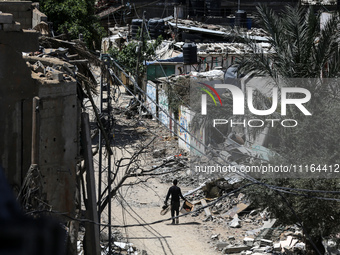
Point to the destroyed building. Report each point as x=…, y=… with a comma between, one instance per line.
x=40, y=149
x=68, y=112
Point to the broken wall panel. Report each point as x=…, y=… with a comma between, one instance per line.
x=184, y=121
x=21, y=10
x=59, y=142
x=17, y=90
x=164, y=104
x=151, y=92
x=195, y=142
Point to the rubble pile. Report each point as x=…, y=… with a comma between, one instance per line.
x=231, y=225
x=235, y=227
x=119, y=244
x=63, y=61
x=47, y=65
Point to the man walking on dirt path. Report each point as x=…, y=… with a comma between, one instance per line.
x=175, y=193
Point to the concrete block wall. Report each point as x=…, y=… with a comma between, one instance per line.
x=21, y=10
x=59, y=142
x=17, y=90
x=7, y=23
x=38, y=17
x=58, y=128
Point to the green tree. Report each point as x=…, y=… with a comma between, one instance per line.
x=75, y=17
x=128, y=55
x=302, y=48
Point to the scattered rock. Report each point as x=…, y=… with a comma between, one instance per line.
x=159, y=153
x=235, y=223
x=235, y=249
x=221, y=245
x=214, y=237
x=248, y=241
x=265, y=242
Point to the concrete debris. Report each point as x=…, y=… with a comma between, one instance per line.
x=206, y=210
x=248, y=241
x=221, y=245
x=159, y=153
x=7, y=23
x=235, y=223
x=235, y=249
x=6, y=18
x=265, y=242
x=214, y=237
x=235, y=210
x=125, y=246
x=277, y=246
x=302, y=246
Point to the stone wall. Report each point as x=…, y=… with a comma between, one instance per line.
x=17, y=90
x=21, y=10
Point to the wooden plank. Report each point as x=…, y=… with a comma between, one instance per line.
x=235, y=210
x=92, y=241
x=206, y=210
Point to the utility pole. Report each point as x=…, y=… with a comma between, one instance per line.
x=105, y=114
x=176, y=31
x=139, y=50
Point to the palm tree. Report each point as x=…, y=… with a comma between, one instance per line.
x=303, y=47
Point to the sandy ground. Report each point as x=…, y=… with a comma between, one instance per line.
x=189, y=237
x=142, y=203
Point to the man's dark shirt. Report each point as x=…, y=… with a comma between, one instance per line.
x=175, y=194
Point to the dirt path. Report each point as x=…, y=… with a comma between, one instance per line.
x=141, y=203
x=146, y=201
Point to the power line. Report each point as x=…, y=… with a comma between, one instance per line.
x=249, y=178
x=254, y=181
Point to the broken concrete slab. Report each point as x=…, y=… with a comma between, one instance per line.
x=235, y=249
x=6, y=18
x=235, y=223
x=13, y=27
x=159, y=153
x=277, y=246
x=261, y=249
x=286, y=243
x=235, y=210
x=214, y=237
x=221, y=245
x=294, y=242
x=266, y=242
x=300, y=246
x=55, y=75
x=248, y=241
x=206, y=210
x=264, y=230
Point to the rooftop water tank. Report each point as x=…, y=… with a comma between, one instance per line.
x=156, y=27
x=189, y=53
x=240, y=18
x=136, y=24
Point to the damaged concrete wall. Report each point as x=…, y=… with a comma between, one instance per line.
x=21, y=10
x=58, y=142
x=38, y=17
x=58, y=126
x=17, y=90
